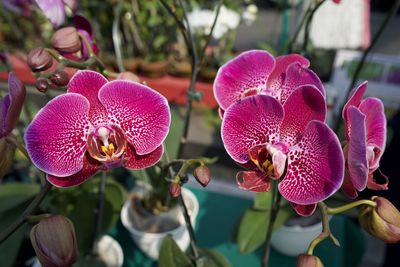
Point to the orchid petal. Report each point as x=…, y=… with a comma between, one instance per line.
x=277, y=77
x=252, y=121
x=355, y=98
x=90, y=168
x=4, y=107
x=372, y=184
x=56, y=138
x=54, y=10
x=304, y=210
x=356, y=148
x=17, y=93
x=315, y=166
x=303, y=105
x=88, y=84
x=347, y=186
x=140, y=111
x=296, y=76
x=248, y=71
x=254, y=181
x=136, y=162
x=84, y=27
x=375, y=122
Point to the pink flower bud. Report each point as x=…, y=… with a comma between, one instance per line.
x=202, y=175
x=54, y=241
x=174, y=190
x=60, y=78
x=42, y=85
x=39, y=59
x=382, y=221
x=66, y=40
x=305, y=260
x=127, y=75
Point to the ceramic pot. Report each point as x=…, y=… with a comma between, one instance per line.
x=150, y=243
x=155, y=69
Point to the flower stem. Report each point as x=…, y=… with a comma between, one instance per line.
x=350, y=206
x=308, y=25
x=27, y=213
x=275, y=205
x=326, y=231
x=99, y=210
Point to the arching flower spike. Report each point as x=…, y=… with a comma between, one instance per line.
x=365, y=125
x=97, y=125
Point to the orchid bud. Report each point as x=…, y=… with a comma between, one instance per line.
x=127, y=75
x=54, y=241
x=305, y=260
x=202, y=175
x=174, y=189
x=7, y=151
x=382, y=221
x=39, y=59
x=66, y=40
x=60, y=78
x=11, y=105
x=42, y=85
x=72, y=4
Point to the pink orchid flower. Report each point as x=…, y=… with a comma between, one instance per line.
x=54, y=10
x=365, y=125
x=289, y=142
x=258, y=72
x=11, y=105
x=95, y=126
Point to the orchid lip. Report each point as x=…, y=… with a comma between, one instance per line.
x=107, y=144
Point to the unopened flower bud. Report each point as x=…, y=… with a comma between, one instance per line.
x=42, y=85
x=382, y=221
x=66, y=40
x=60, y=78
x=174, y=189
x=305, y=260
x=54, y=241
x=39, y=59
x=127, y=75
x=7, y=151
x=202, y=175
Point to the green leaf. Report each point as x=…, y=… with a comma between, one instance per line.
x=14, y=194
x=212, y=258
x=171, y=255
x=253, y=227
x=172, y=143
x=262, y=201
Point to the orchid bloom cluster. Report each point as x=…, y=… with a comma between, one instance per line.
x=273, y=112
x=95, y=126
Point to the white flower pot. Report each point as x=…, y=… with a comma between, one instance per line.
x=150, y=243
x=294, y=240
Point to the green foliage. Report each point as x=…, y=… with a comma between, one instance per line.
x=14, y=198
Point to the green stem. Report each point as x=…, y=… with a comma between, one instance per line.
x=296, y=34
x=308, y=25
x=99, y=212
x=326, y=231
x=12, y=140
x=275, y=205
x=350, y=206
x=25, y=215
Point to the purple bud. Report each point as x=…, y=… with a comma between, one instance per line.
x=60, y=78
x=42, y=85
x=39, y=59
x=174, y=189
x=202, y=175
x=305, y=260
x=66, y=40
x=54, y=241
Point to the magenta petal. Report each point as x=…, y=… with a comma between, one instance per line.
x=296, y=76
x=347, y=186
x=372, y=184
x=315, y=166
x=248, y=71
x=136, y=162
x=90, y=168
x=88, y=84
x=277, y=77
x=140, y=111
x=252, y=121
x=356, y=148
x=54, y=10
x=254, y=181
x=17, y=93
x=355, y=97
x=56, y=138
x=304, y=210
x=375, y=122
x=4, y=107
x=303, y=105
